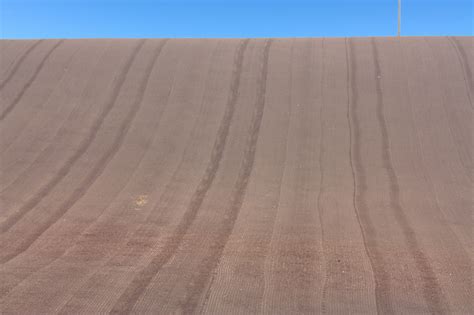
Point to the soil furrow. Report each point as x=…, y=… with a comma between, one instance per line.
x=431, y=289
x=18, y=63
x=466, y=70
x=85, y=144
x=215, y=176
x=211, y=262
x=64, y=251
x=377, y=261
x=319, y=206
x=25, y=88
x=136, y=288
x=98, y=168
x=62, y=125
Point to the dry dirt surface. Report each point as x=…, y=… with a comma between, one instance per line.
x=271, y=176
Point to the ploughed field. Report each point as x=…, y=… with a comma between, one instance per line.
x=237, y=176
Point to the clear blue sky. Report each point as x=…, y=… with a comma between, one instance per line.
x=231, y=18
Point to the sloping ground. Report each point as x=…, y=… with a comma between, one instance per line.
x=249, y=176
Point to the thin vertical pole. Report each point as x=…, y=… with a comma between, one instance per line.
x=399, y=17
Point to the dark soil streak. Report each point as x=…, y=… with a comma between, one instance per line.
x=321, y=191
x=66, y=167
x=128, y=299
x=431, y=288
x=97, y=170
x=466, y=70
x=464, y=153
x=18, y=63
x=24, y=172
x=377, y=261
x=25, y=88
x=210, y=263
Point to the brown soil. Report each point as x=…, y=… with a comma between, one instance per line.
x=237, y=176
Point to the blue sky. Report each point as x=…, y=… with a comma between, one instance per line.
x=231, y=18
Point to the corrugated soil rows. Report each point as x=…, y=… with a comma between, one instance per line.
x=326, y=176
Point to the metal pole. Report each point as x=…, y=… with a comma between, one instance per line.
x=399, y=16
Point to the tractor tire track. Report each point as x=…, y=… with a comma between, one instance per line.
x=25, y=88
x=64, y=252
x=359, y=173
x=18, y=63
x=24, y=172
x=84, y=145
x=466, y=70
x=322, y=308
x=431, y=288
x=41, y=105
x=428, y=178
x=100, y=166
x=138, y=285
x=139, y=252
x=453, y=123
x=268, y=262
x=196, y=290
x=407, y=221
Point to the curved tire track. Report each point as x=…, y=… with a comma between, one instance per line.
x=24, y=172
x=210, y=263
x=135, y=105
x=462, y=254
x=466, y=70
x=431, y=288
x=426, y=266
x=453, y=121
x=66, y=167
x=25, y=88
x=359, y=174
x=138, y=285
x=135, y=251
x=18, y=63
x=100, y=166
x=322, y=309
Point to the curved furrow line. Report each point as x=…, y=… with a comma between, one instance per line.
x=97, y=170
x=24, y=172
x=6, y=146
x=322, y=309
x=269, y=263
x=462, y=254
x=63, y=253
x=138, y=285
x=453, y=122
x=466, y=70
x=431, y=288
x=136, y=252
x=359, y=174
x=210, y=263
x=25, y=88
x=426, y=174
x=18, y=63
x=84, y=145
